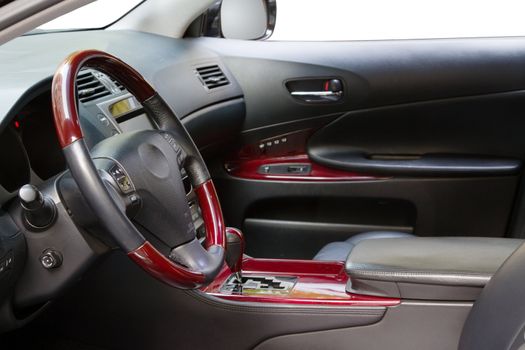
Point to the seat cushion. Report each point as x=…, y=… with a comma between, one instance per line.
x=339, y=251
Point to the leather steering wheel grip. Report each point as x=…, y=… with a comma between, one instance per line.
x=86, y=175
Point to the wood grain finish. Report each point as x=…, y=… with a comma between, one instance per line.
x=233, y=231
x=63, y=88
x=318, y=283
x=249, y=169
x=211, y=214
x=286, y=149
x=160, y=267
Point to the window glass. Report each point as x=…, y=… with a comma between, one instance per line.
x=397, y=19
x=97, y=14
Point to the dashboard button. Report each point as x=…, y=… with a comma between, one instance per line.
x=51, y=259
x=103, y=119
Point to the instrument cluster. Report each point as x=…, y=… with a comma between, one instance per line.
x=29, y=149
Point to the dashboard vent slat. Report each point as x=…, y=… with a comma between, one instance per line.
x=118, y=84
x=89, y=87
x=212, y=76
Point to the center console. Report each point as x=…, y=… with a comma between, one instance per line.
x=378, y=272
x=279, y=281
x=302, y=282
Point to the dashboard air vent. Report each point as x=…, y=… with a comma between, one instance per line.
x=212, y=76
x=118, y=84
x=89, y=87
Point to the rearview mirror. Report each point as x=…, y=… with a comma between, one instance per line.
x=247, y=19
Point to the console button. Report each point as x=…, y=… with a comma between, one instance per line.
x=285, y=169
x=51, y=259
x=103, y=119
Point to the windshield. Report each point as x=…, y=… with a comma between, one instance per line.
x=98, y=14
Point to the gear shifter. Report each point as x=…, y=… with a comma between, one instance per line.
x=234, y=251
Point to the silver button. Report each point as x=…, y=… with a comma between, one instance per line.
x=51, y=259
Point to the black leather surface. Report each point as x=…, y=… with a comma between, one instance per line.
x=410, y=326
x=338, y=251
x=166, y=120
x=354, y=240
x=463, y=136
x=335, y=251
x=403, y=267
x=428, y=164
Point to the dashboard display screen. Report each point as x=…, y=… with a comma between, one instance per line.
x=122, y=107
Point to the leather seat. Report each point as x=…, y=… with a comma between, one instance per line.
x=338, y=251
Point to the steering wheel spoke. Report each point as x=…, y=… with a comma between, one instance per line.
x=193, y=256
x=128, y=200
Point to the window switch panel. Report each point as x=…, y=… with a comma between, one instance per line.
x=285, y=169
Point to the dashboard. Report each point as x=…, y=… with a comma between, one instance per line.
x=29, y=149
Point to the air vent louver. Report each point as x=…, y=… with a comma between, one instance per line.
x=89, y=88
x=118, y=84
x=212, y=76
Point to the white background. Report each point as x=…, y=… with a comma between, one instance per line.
x=354, y=19
x=97, y=14
x=397, y=19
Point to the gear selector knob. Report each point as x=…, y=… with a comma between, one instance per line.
x=235, y=251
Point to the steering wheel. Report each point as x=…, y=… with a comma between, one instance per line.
x=138, y=175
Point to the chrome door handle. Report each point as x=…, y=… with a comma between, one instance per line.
x=316, y=90
x=317, y=93
x=318, y=96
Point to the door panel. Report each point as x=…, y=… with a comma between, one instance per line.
x=374, y=73
x=464, y=136
x=295, y=227
x=446, y=207
x=427, y=138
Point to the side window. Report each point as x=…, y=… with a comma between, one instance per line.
x=333, y=20
x=321, y=20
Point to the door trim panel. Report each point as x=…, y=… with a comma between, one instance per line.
x=254, y=169
x=424, y=165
